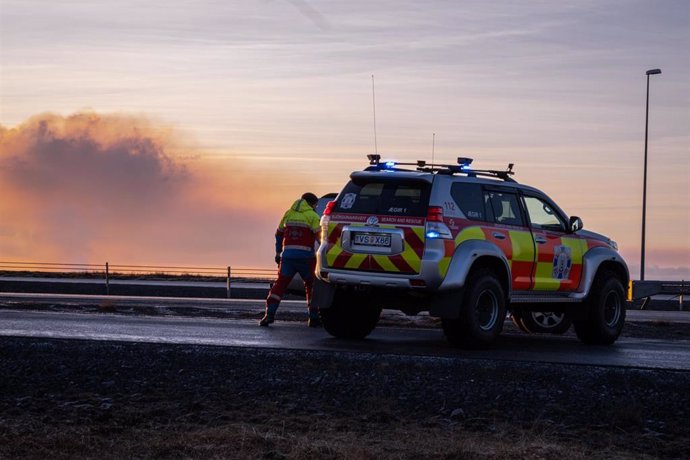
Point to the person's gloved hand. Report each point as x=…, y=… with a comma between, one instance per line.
x=277, y=259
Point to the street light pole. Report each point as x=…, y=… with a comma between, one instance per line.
x=644, y=181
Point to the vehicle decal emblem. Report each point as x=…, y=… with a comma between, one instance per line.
x=348, y=201
x=562, y=261
x=373, y=221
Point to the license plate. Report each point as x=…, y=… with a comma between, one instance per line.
x=373, y=239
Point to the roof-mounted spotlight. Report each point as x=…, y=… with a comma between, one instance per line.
x=374, y=158
x=464, y=162
x=421, y=163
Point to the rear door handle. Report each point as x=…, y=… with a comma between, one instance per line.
x=499, y=236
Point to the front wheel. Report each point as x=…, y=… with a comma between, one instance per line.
x=482, y=313
x=606, y=311
x=349, y=316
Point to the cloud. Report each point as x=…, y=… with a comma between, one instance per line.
x=92, y=160
x=90, y=187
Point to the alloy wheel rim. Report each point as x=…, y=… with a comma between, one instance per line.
x=487, y=309
x=612, y=309
x=547, y=318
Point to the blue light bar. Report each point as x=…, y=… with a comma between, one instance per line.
x=389, y=164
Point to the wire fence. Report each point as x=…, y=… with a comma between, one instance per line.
x=38, y=268
x=107, y=272
x=51, y=267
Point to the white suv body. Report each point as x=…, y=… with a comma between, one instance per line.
x=467, y=246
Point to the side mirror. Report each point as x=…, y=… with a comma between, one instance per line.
x=574, y=224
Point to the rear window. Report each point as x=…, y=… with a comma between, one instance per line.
x=385, y=198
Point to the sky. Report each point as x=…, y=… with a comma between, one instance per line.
x=177, y=132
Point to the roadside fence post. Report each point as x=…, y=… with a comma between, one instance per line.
x=107, y=279
x=680, y=298
x=228, y=283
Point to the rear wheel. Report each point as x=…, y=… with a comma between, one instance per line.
x=482, y=313
x=606, y=311
x=350, y=316
x=545, y=322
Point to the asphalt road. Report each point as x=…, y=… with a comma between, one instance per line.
x=21, y=300
x=627, y=352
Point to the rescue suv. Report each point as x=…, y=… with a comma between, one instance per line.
x=468, y=246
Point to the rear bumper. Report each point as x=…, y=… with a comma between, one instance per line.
x=410, y=300
x=377, y=280
x=428, y=278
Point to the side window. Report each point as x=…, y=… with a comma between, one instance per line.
x=505, y=207
x=469, y=199
x=542, y=215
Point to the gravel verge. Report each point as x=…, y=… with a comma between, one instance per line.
x=80, y=399
x=67, y=399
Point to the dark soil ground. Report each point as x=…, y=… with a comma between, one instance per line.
x=79, y=399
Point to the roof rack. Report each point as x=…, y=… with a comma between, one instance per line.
x=462, y=167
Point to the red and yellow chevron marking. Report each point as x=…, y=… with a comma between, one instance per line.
x=547, y=266
x=467, y=233
x=519, y=249
x=556, y=265
x=409, y=261
x=521, y=260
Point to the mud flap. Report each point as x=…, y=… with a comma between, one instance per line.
x=322, y=294
x=446, y=304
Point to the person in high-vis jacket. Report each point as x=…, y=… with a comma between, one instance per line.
x=297, y=233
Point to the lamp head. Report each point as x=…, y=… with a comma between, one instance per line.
x=374, y=158
x=464, y=162
x=653, y=71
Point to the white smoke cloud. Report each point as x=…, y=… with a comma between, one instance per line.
x=91, y=188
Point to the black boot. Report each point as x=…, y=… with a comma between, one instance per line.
x=267, y=319
x=314, y=322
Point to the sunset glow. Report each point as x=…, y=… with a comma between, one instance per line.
x=171, y=133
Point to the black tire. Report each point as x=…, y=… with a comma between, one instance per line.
x=543, y=322
x=482, y=313
x=606, y=311
x=350, y=316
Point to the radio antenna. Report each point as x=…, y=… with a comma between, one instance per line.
x=433, y=145
x=373, y=96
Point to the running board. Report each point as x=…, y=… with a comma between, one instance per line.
x=531, y=298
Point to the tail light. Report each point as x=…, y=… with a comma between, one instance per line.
x=435, y=228
x=329, y=208
x=326, y=217
x=434, y=214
